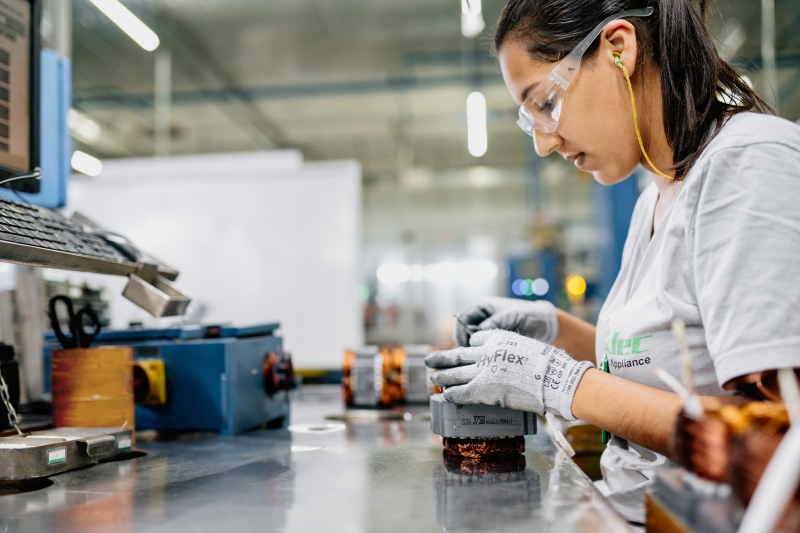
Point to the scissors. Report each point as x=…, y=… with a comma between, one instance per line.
x=79, y=337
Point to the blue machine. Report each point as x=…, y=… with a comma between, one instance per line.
x=217, y=378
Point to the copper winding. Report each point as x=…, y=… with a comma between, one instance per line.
x=347, y=384
x=93, y=387
x=487, y=465
x=704, y=446
x=392, y=389
x=734, y=444
x=483, y=448
x=750, y=454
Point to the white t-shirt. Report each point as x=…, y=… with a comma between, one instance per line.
x=725, y=260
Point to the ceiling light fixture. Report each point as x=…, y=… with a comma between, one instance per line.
x=129, y=23
x=82, y=126
x=89, y=165
x=472, y=23
x=477, y=137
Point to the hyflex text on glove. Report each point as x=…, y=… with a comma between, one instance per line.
x=510, y=370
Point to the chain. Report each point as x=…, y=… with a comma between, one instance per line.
x=13, y=419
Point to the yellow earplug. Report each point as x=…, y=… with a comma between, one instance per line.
x=618, y=62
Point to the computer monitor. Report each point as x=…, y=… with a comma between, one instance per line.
x=19, y=94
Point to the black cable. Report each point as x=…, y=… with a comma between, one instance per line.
x=36, y=174
x=21, y=198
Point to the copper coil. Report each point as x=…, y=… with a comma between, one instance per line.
x=93, y=387
x=483, y=448
x=486, y=465
x=392, y=360
x=347, y=384
x=704, y=446
x=750, y=454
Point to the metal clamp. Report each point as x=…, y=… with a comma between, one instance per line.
x=152, y=292
x=99, y=445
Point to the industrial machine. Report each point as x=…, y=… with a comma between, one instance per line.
x=377, y=376
x=200, y=378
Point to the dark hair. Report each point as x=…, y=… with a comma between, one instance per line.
x=674, y=38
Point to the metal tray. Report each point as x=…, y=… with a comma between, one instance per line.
x=52, y=451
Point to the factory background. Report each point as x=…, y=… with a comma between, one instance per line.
x=450, y=200
x=256, y=219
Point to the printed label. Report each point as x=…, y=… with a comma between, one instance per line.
x=482, y=420
x=124, y=444
x=56, y=456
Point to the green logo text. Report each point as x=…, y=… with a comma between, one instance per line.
x=617, y=346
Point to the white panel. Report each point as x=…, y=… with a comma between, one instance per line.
x=252, y=247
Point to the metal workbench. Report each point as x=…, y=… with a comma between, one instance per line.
x=372, y=476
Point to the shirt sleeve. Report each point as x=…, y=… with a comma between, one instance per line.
x=744, y=242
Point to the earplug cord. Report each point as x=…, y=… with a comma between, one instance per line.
x=618, y=62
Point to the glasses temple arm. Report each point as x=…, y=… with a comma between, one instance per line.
x=567, y=69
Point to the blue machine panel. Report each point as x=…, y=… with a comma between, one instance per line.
x=213, y=384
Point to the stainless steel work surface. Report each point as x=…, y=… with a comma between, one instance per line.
x=368, y=475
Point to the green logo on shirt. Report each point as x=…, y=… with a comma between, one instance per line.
x=617, y=346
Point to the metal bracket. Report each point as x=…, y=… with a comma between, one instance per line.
x=99, y=445
x=153, y=293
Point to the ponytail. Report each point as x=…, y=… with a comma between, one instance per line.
x=698, y=88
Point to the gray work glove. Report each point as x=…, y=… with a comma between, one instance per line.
x=533, y=319
x=510, y=370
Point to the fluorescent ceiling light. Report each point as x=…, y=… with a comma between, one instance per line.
x=472, y=23
x=83, y=126
x=446, y=272
x=477, y=138
x=393, y=273
x=83, y=162
x=129, y=23
x=472, y=273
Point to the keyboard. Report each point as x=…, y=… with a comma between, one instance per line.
x=36, y=236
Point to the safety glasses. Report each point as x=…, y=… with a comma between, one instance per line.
x=542, y=109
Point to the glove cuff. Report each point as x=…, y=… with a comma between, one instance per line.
x=564, y=375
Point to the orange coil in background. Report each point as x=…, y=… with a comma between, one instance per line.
x=93, y=387
x=704, y=446
x=347, y=383
x=392, y=389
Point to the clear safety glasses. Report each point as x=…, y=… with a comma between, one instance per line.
x=542, y=109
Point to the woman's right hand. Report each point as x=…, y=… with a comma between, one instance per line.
x=536, y=319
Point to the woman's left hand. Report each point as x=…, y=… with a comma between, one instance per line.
x=510, y=370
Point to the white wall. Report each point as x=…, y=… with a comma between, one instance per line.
x=257, y=238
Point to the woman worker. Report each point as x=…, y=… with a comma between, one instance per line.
x=714, y=240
